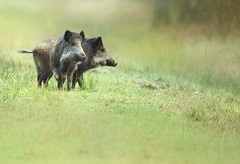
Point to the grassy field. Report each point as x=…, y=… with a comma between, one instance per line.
x=173, y=98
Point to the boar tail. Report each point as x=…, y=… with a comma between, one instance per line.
x=24, y=51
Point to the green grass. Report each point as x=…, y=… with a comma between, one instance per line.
x=173, y=98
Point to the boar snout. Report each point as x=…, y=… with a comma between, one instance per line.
x=111, y=62
x=84, y=58
x=80, y=57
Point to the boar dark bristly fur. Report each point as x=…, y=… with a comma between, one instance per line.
x=65, y=56
x=97, y=56
x=41, y=58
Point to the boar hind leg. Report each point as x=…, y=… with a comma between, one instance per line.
x=39, y=79
x=46, y=78
x=39, y=76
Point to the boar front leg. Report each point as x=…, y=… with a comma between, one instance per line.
x=74, y=80
x=79, y=80
x=61, y=80
x=70, y=79
x=69, y=82
x=77, y=77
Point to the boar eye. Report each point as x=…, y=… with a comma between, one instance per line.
x=73, y=44
x=103, y=50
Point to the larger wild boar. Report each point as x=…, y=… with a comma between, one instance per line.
x=65, y=57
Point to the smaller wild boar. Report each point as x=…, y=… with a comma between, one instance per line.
x=65, y=56
x=97, y=56
x=41, y=56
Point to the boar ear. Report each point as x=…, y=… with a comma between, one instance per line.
x=99, y=41
x=67, y=35
x=82, y=35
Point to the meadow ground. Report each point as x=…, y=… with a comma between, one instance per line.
x=173, y=98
